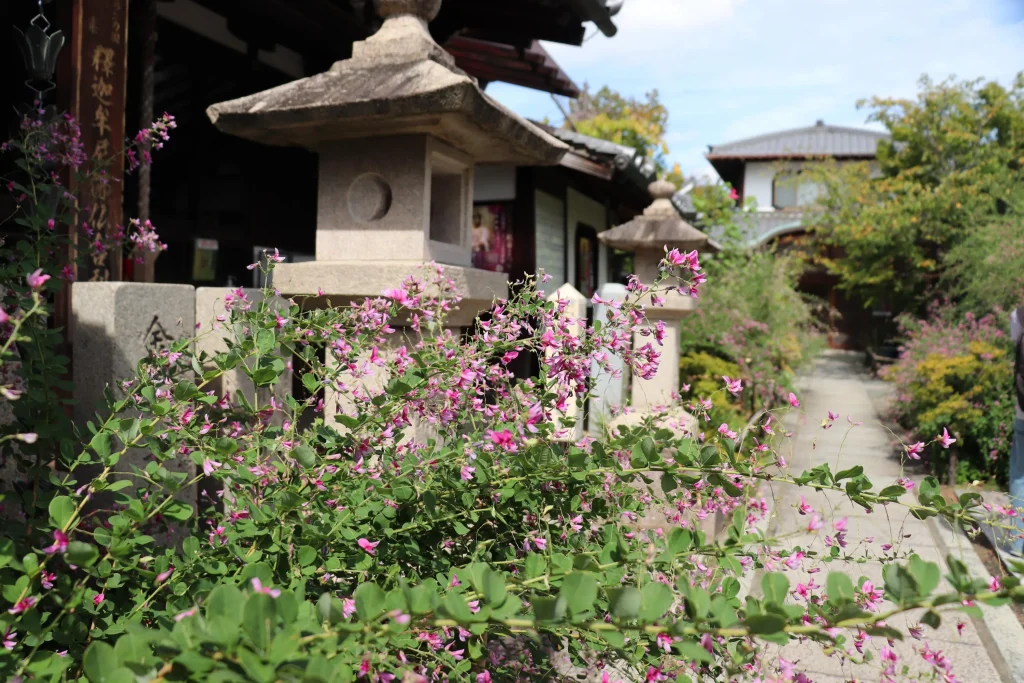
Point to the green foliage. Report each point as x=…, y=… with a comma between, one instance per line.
x=752, y=324
x=422, y=514
x=637, y=123
x=956, y=371
x=954, y=158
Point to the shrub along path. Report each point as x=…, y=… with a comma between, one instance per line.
x=839, y=383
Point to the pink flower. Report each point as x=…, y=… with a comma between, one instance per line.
x=27, y=437
x=793, y=400
x=163, y=576
x=733, y=194
x=37, y=279
x=4, y=317
x=815, y=523
x=945, y=439
x=98, y=599
x=734, y=386
x=467, y=472
x=504, y=438
x=10, y=636
x=46, y=579
x=841, y=524
x=994, y=583
x=726, y=432
x=805, y=507
x=258, y=586
x=483, y=677
x=184, y=615
x=914, y=450
x=60, y=543
x=209, y=466
x=369, y=546
x=348, y=607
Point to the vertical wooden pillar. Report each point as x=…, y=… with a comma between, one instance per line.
x=99, y=54
x=146, y=272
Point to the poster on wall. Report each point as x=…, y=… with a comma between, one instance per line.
x=204, y=261
x=492, y=237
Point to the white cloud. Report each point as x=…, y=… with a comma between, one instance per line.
x=728, y=69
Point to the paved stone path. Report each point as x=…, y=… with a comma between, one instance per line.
x=839, y=383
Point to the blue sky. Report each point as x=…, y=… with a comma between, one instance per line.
x=729, y=69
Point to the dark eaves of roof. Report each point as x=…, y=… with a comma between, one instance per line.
x=630, y=165
x=598, y=11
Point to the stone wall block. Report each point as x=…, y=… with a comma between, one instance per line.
x=114, y=325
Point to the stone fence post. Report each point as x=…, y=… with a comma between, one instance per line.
x=608, y=386
x=576, y=314
x=114, y=325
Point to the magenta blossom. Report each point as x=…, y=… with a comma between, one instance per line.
x=10, y=638
x=734, y=386
x=23, y=605
x=37, y=279
x=945, y=439
x=793, y=401
x=258, y=586
x=914, y=450
x=60, y=543
x=467, y=472
x=369, y=546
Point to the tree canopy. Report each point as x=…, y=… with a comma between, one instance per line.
x=954, y=156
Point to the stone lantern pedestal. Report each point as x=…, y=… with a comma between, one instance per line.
x=648, y=236
x=398, y=129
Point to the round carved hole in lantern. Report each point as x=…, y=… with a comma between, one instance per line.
x=369, y=198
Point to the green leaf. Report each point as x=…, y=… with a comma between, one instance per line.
x=258, y=619
x=679, y=540
x=656, y=600
x=100, y=443
x=851, y=473
x=306, y=555
x=226, y=446
x=310, y=382
x=329, y=608
x=6, y=552
x=900, y=586
x=178, y=510
x=765, y=624
x=490, y=583
x=926, y=574
x=839, y=588
x=130, y=648
x=549, y=608
x=931, y=618
x=224, y=601
x=81, y=554
x=580, y=591
x=692, y=651
x=99, y=662
x=369, y=601
x=775, y=587
x=305, y=456
x=625, y=602
x=265, y=341
x=62, y=509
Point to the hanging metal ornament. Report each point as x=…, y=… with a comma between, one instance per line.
x=39, y=48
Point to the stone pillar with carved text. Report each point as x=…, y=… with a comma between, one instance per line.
x=99, y=53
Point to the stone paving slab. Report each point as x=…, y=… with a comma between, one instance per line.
x=839, y=384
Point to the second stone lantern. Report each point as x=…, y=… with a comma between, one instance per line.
x=648, y=236
x=398, y=129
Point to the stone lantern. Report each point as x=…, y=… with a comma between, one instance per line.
x=648, y=236
x=398, y=129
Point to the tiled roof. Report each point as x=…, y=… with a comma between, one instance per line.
x=812, y=141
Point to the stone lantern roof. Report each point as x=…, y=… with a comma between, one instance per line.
x=398, y=82
x=658, y=227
